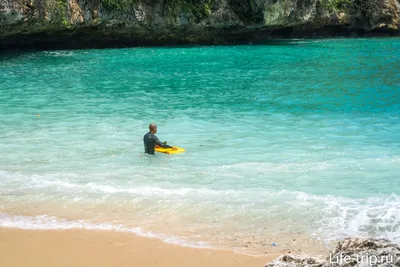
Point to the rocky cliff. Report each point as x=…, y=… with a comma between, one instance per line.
x=107, y=23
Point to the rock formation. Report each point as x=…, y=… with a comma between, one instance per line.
x=350, y=252
x=105, y=23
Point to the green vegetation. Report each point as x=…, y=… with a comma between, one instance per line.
x=199, y=9
x=56, y=10
x=112, y=4
x=207, y=7
x=335, y=4
x=117, y=4
x=62, y=9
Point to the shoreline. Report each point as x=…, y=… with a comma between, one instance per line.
x=96, y=37
x=21, y=247
x=244, y=244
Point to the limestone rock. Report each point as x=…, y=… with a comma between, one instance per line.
x=363, y=252
x=350, y=252
x=295, y=261
x=86, y=23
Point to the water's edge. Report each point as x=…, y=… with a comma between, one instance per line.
x=97, y=38
x=48, y=223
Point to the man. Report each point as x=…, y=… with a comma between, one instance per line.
x=150, y=140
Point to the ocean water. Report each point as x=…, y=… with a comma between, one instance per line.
x=290, y=142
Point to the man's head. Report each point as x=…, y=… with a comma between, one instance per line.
x=153, y=128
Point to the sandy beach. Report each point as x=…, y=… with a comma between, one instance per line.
x=38, y=248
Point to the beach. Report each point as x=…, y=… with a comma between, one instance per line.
x=41, y=248
x=289, y=147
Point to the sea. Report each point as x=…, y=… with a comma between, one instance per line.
x=290, y=144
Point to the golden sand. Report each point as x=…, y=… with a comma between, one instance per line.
x=53, y=248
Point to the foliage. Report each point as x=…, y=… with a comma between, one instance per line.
x=198, y=8
x=62, y=6
x=117, y=4
x=335, y=4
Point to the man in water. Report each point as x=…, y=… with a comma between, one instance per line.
x=150, y=140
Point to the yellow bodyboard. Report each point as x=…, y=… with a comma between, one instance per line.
x=169, y=150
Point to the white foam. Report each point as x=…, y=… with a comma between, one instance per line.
x=373, y=217
x=60, y=53
x=62, y=184
x=45, y=222
x=326, y=216
x=273, y=168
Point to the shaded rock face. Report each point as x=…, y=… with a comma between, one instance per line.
x=351, y=252
x=74, y=23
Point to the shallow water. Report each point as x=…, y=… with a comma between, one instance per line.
x=297, y=139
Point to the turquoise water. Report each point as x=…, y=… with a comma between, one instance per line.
x=288, y=139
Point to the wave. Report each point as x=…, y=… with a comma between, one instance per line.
x=45, y=222
x=327, y=217
x=372, y=217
